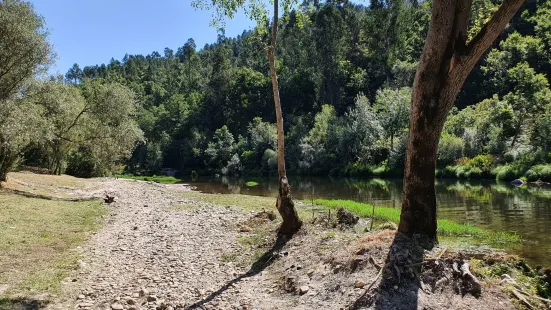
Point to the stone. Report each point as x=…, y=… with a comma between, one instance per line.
x=143, y=292
x=130, y=301
x=117, y=307
x=136, y=295
x=151, y=298
x=81, y=297
x=303, y=289
x=359, y=284
x=85, y=305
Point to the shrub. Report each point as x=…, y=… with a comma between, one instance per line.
x=506, y=173
x=483, y=162
x=539, y=172
x=450, y=148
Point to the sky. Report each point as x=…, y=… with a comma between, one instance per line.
x=90, y=32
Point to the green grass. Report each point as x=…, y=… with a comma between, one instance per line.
x=157, y=179
x=445, y=227
x=251, y=183
x=38, y=242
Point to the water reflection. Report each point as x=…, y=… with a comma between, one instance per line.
x=496, y=206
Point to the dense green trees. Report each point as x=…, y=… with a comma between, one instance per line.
x=345, y=75
x=323, y=65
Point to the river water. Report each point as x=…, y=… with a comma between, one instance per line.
x=488, y=204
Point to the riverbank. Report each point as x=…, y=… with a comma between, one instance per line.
x=165, y=246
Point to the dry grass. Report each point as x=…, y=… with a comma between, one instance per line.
x=39, y=240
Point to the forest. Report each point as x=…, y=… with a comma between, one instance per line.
x=345, y=77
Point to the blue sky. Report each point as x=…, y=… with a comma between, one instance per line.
x=90, y=32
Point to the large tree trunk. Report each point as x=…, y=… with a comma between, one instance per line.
x=285, y=205
x=446, y=62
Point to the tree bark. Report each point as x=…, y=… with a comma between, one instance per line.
x=445, y=63
x=285, y=205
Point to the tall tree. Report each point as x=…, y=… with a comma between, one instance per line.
x=24, y=48
x=445, y=63
x=227, y=8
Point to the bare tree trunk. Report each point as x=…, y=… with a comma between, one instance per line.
x=285, y=205
x=446, y=62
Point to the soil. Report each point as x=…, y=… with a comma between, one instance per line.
x=161, y=250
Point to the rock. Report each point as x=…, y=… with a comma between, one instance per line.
x=151, y=298
x=136, y=295
x=81, y=297
x=303, y=289
x=117, y=307
x=85, y=305
x=143, y=292
x=518, y=182
x=130, y=301
x=359, y=284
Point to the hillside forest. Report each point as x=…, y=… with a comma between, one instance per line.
x=345, y=76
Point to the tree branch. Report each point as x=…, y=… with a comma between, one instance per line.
x=489, y=32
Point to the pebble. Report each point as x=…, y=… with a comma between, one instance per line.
x=359, y=284
x=303, y=289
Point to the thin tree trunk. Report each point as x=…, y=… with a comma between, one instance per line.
x=285, y=205
x=446, y=61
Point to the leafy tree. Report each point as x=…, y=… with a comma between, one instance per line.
x=74, y=75
x=22, y=124
x=220, y=151
x=24, y=51
x=392, y=108
x=529, y=96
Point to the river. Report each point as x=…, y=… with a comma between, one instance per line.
x=488, y=204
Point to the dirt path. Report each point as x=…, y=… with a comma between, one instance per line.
x=151, y=256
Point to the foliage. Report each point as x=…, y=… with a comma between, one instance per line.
x=24, y=51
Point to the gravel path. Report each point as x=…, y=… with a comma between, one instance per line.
x=151, y=256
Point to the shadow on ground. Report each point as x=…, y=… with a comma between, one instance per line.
x=399, y=284
x=22, y=304
x=262, y=263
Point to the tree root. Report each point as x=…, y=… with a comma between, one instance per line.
x=471, y=284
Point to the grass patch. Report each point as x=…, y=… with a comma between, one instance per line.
x=163, y=179
x=251, y=183
x=445, y=227
x=38, y=241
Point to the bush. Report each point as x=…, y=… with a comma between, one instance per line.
x=483, y=162
x=506, y=173
x=539, y=172
x=449, y=149
x=234, y=166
